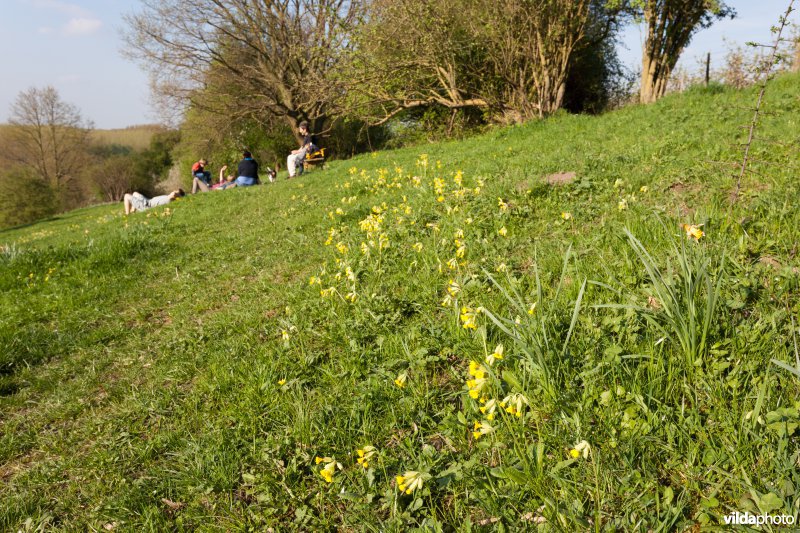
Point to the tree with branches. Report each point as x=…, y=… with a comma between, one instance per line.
x=670, y=26
x=261, y=58
x=49, y=136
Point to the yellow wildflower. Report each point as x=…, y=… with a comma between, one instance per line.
x=489, y=409
x=496, y=355
x=411, y=481
x=469, y=318
x=314, y=280
x=514, y=403
x=623, y=204
x=502, y=204
x=453, y=288
x=566, y=215
x=418, y=247
x=401, y=379
x=452, y=263
x=481, y=428
x=693, y=231
x=284, y=335
x=365, y=455
x=341, y=247
x=532, y=308
x=502, y=231
x=582, y=448
x=329, y=469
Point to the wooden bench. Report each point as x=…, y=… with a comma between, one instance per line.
x=315, y=158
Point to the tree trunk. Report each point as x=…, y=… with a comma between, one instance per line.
x=796, y=63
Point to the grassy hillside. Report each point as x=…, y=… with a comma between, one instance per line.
x=137, y=137
x=521, y=355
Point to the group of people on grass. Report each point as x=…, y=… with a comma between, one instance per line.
x=246, y=175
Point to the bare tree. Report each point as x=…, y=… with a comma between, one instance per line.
x=261, y=57
x=48, y=135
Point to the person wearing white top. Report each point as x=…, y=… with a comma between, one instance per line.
x=139, y=202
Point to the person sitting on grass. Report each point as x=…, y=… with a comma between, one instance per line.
x=248, y=171
x=199, y=171
x=138, y=202
x=223, y=183
x=294, y=163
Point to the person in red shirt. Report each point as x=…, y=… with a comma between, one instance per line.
x=199, y=171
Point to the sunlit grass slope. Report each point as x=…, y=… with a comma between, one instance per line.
x=431, y=337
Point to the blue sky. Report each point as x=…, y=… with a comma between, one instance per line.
x=74, y=45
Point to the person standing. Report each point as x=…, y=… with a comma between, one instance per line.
x=247, y=171
x=294, y=163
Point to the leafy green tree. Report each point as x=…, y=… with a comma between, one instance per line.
x=27, y=197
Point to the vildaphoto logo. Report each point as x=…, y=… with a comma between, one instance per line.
x=747, y=519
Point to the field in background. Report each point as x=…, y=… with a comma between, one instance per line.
x=137, y=137
x=433, y=337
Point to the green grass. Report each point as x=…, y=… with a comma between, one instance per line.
x=180, y=371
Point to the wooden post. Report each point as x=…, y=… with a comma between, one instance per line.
x=796, y=62
x=708, y=68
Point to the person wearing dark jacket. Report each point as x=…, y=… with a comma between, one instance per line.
x=248, y=171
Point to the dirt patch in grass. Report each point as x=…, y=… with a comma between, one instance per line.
x=560, y=178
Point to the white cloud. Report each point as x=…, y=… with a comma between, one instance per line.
x=59, y=6
x=82, y=26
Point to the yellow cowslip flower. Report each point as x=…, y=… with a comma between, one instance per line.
x=458, y=178
x=440, y=198
x=582, y=448
x=353, y=171
x=566, y=215
x=416, y=180
x=453, y=288
x=365, y=455
x=532, y=308
x=488, y=409
x=364, y=249
x=476, y=370
x=459, y=234
x=514, y=404
x=329, y=469
x=502, y=231
x=502, y=204
x=325, y=293
x=619, y=183
x=281, y=382
x=341, y=247
x=461, y=251
x=351, y=297
x=401, y=379
x=502, y=267
x=643, y=189
x=411, y=481
x=469, y=318
x=623, y=204
x=452, y=263
x=383, y=241
x=339, y=211
x=284, y=335
x=496, y=355
x=314, y=280
x=693, y=231
x=481, y=428
x=447, y=301
x=417, y=247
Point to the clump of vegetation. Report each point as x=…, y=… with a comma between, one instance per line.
x=421, y=338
